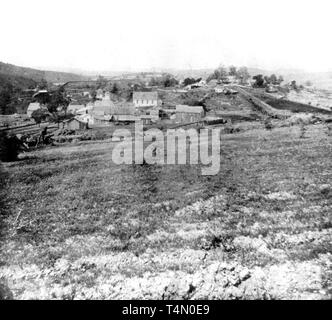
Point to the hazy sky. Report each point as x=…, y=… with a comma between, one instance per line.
x=139, y=34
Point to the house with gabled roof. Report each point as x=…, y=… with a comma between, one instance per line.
x=189, y=114
x=74, y=124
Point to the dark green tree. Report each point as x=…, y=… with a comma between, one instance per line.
x=40, y=115
x=170, y=81
x=259, y=81
x=243, y=75
x=189, y=81
x=101, y=82
x=43, y=85
x=9, y=147
x=115, y=88
x=5, y=99
x=218, y=74
x=280, y=79
x=273, y=79
x=57, y=99
x=232, y=71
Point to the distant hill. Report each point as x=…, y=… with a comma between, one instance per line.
x=181, y=74
x=37, y=75
x=16, y=82
x=320, y=80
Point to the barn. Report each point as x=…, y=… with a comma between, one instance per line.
x=74, y=124
x=188, y=114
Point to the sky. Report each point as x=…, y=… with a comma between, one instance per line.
x=131, y=35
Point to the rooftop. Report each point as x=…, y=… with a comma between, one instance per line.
x=189, y=109
x=149, y=95
x=34, y=106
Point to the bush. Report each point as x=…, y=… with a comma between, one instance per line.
x=302, y=130
x=9, y=147
x=268, y=124
x=5, y=293
x=229, y=129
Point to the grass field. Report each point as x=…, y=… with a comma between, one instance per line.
x=77, y=226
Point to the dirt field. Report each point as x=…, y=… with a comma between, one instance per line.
x=77, y=226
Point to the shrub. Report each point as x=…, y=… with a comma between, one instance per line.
x=9, y=147
x=229, y=129
x=5, y=293
x=329, y=130
x=302, y=130
x=268, y=124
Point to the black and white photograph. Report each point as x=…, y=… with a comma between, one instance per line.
x=165, y=150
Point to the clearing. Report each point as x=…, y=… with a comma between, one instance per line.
x=77, y=226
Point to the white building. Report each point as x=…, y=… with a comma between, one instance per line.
x=100, y=94
x=145, y=99
x=86, y=118
x=33, y=106
x=189, y=114
x=74, y=108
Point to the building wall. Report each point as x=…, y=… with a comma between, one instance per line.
x=145, y=103
x=29, y=112
x=74, y=125
x=188, y=117
x=33, y=107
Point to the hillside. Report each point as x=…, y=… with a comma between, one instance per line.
x=259, y=229
x=37, y=75
x=17, y=82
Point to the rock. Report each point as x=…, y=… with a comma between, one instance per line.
x=244, y=274
x=5, y=293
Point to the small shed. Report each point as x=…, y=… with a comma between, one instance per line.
x=188, y=114
x=74, y=124
x=146, y=119
x=74, y=108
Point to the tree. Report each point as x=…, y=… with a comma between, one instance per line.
x=153, y=82
x=40, y=115
x=57, y=99
x=93, y=94
x=232, y=71
x=243, y=75
x=293, y=85
x=218, y=74
x=188, y=81
x=259, y=81
x=9, y=147
x=280, y=79
x=5, y=99
x=273, y=79
x=170, y=81
x=101, y=82
x=266, y=80
x=114, y=88
x=42, y=85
